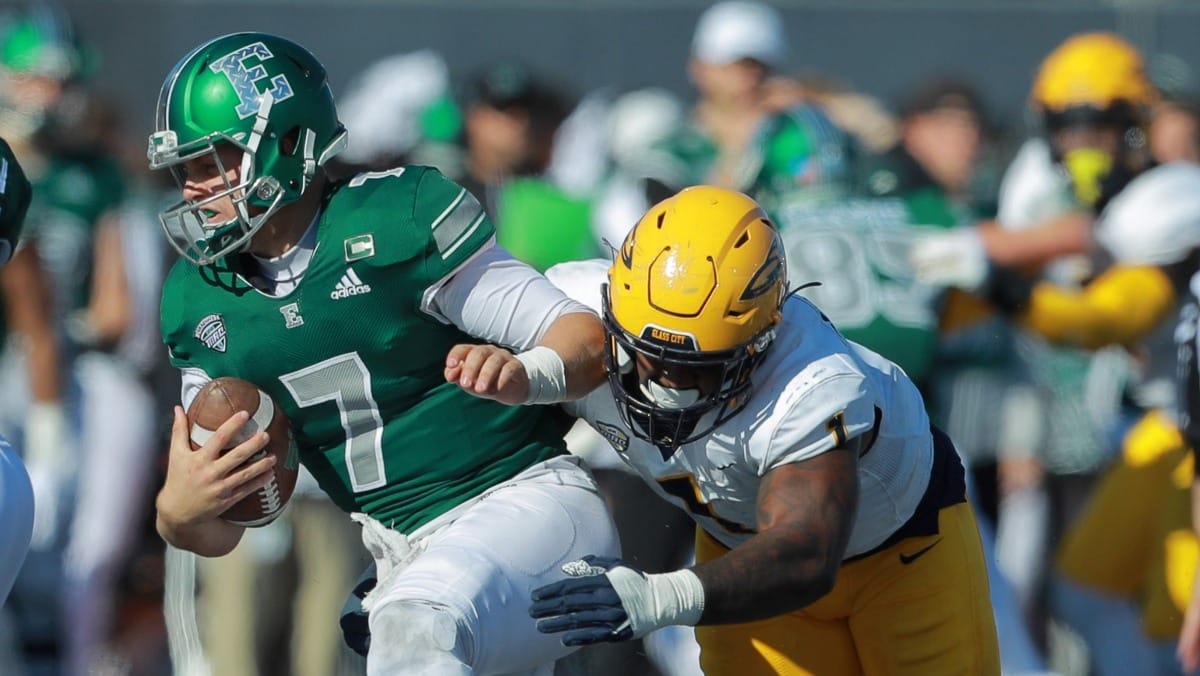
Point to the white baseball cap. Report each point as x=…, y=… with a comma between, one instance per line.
x=735, y=30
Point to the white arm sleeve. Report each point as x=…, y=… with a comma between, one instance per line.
x=192, y=379
x=495, y=297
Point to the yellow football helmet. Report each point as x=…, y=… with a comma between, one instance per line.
x=698, y=282
x=1095, y=81
x=1092, y=70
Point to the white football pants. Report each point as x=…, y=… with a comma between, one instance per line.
x=453, y=597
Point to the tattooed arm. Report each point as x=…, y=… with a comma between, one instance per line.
x=805, y=513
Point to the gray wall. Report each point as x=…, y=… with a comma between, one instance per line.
x=879, y=46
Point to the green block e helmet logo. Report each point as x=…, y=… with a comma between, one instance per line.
x=262, y=94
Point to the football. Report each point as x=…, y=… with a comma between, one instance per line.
x=213, y=405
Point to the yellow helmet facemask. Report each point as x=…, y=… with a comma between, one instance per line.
x=697, y=283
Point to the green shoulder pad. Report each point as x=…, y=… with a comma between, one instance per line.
x=413, y=214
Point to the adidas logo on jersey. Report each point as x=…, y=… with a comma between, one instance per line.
x=350, y=285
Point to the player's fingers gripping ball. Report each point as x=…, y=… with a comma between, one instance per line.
x=213, y=405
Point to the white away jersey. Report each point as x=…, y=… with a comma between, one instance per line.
x=811, y=378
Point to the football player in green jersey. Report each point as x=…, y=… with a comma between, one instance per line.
x=16, y=493
x=367, y=310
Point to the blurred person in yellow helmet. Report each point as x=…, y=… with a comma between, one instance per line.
x=1089, y=191
x=1093, y=95
x=833, y=533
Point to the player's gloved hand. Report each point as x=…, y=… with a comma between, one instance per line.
x=356, y=630
x=606, y=601
x=952, y=258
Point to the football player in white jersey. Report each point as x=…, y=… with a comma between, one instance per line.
x=834, y=533
x=16, y=493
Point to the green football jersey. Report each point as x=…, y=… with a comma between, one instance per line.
x=354, y=361
x=857, y=249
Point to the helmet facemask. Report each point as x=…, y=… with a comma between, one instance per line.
x=670, y=427
x=186, y=224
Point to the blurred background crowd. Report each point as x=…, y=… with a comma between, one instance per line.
x=931, y=165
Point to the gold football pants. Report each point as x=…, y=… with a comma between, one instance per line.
x=918, y=607
x=1134, y=539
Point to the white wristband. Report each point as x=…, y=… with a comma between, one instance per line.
x=655, y=601
x=547, y=375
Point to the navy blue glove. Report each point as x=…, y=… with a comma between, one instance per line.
x=585, y=606
x=356, y=631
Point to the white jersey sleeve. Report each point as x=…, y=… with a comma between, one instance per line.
x=495, y=297
x=1033, y=189
x=820, y=416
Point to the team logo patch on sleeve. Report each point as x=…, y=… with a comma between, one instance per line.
x=211, y=332
x=615, y=436
x=359, y=247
